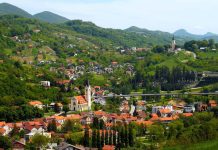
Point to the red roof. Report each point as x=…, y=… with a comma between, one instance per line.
x=147, y=123
x=165, y=111
x=63, y=81
x=212, y=102
x=33, y=103
x=80, y=99
x=108, y=147
x=187, y=114
x=2, y=131
x=73, y=117
x=100, y=113
x=2, y=124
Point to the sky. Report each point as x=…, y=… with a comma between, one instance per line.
x=196, y=16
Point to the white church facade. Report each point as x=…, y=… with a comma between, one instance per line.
x=82, y=102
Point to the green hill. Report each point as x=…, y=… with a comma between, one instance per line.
x=182, y=33
x=8, y=9
x=159, y=37
x=50, y=17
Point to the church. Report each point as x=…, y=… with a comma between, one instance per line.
x=82, y=102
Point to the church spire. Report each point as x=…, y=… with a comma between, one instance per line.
x=88, y=95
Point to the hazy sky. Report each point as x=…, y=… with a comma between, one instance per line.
x=197, y=16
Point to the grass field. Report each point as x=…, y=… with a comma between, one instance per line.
x=208, y=145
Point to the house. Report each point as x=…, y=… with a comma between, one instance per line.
x=100, y=100
x=212, y=103
x=3, y=132
x=156, y=108
x=74, y=117
x=45, y=83
x=82, y=102
x=18, y=145
x=5, y=128
x=189, y=109
x=62, y=82
x=37, y=104
x=58, y=105
x=199, y=106
x=86, y=120
x=140, y=106
x=32, y=130
x=66, y=146
x=165, y=112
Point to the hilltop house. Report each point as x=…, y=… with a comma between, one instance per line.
x=37, y=104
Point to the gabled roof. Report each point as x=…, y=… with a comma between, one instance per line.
x=2, y=124
x=33, y=103
x=73, y=117
x=108, y=147
x=165, y=111
x=99, y=113
x=212, y=102
x=2, y=131
x=147, y=123
x=80, y=99
x=63, y=81
x=187, y=114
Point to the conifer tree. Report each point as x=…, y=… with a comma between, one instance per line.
x=86, y=138
x=131, y=137
x=102, y=138
x=99, y=140
x=94, y=138
x=126, y=136
x=110, y=138
x=106, y=138
x=114, y=137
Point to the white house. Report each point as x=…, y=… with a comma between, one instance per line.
x=45, y=83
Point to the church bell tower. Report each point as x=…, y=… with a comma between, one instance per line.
x=88, y=95
x=173, y=48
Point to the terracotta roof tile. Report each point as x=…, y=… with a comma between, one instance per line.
x=33, y=103
x=80, y=99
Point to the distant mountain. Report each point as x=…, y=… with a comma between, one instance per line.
x=185, y=34
x=8, y=9
x=50, y=17
x=158, y=36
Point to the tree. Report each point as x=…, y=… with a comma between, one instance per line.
x=131, y=136
x=106, y=138
x=65, y=109
x=75, y=138
x=52, y=126
x=110, y=138
x=102, y=138
x=95, y=123
x=71, y=126
x=15, y=131
x=99, y=140
x=57, y=109
x=39, y=141
x=101, y=124
x=5, y=142
x=114, y=137
x=127, y=136
x=156, y=133
x=86, y=138
x=94, y=138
